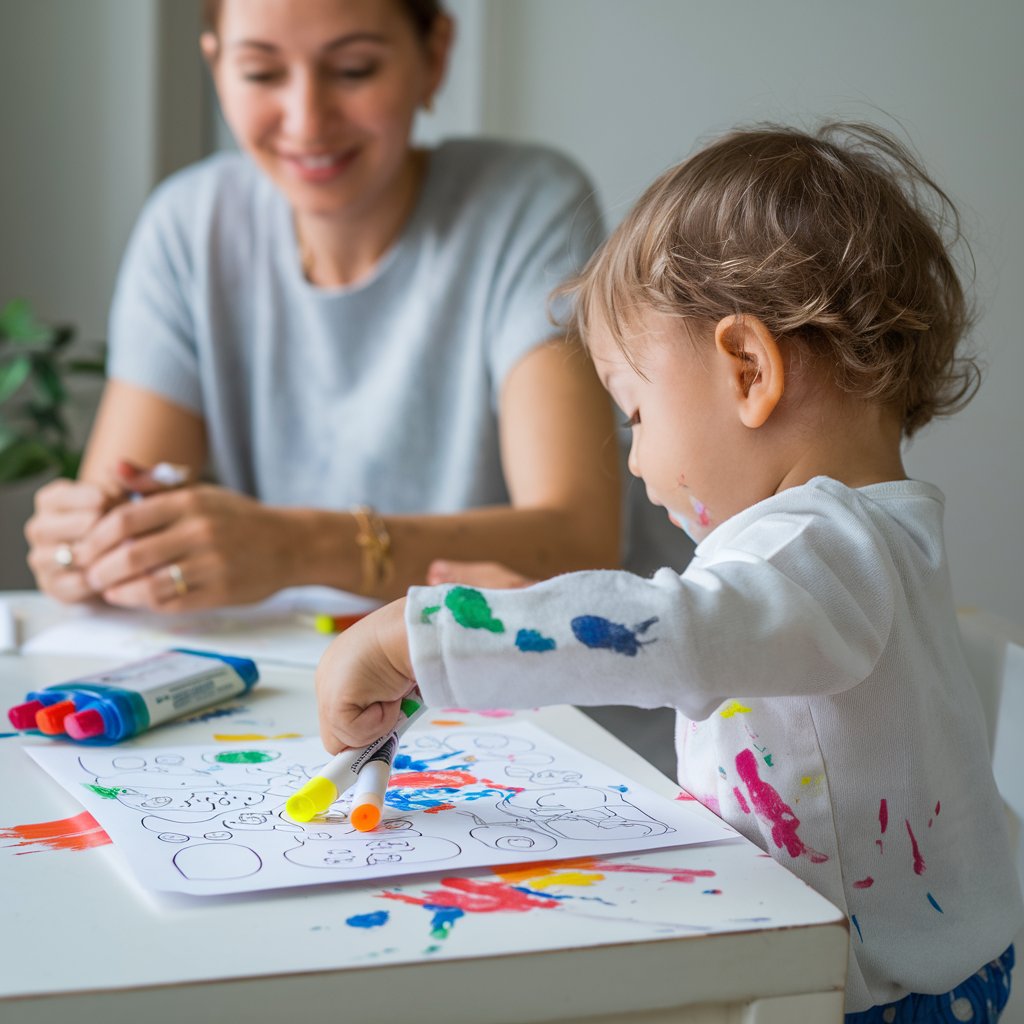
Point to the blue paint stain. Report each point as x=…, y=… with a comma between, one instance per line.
x=596, y=632
x=8, y=735
x=530, y=640
x=712, y=892
x=931, y=900
x=209, y=716
x=443, y=920
x=621, y=789
x=853, y=918
x=374, y=920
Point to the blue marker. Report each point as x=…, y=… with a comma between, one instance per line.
x=121, y=702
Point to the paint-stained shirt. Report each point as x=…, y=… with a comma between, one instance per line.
x=384, y=392
x=812, y=652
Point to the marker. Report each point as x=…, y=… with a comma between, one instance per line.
x=337, y=623
x=121, y=702
x=317, y=795
x=372, y=786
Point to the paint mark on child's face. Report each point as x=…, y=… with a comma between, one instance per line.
x=82, y=832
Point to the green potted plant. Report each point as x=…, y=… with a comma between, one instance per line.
x=36, y=364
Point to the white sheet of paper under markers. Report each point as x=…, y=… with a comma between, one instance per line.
x=277, y=630
x=209, y=820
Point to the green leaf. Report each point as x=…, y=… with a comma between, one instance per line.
x=24, y=458
x=13, y=375
x=49, y=386
x=19, y=323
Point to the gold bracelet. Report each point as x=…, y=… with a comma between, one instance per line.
x=375, y=542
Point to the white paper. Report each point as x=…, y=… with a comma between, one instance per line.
x=276, y=631
x=209, y=820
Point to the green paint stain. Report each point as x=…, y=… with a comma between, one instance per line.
x=471, y=610
x=768, y=760
x=107, y=792
x=244, y=757
x=427, y=613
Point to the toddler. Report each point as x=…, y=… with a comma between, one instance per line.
x=773, y=318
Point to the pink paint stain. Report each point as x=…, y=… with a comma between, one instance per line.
x=864, y=883
x=475, y=897
x=772, y=808
x=432, y=780
x=919, y=864
x=710, y=801
x=486, y=712
x=684, y=875
x=741, y=800
x=683, y=795
x=82, y=832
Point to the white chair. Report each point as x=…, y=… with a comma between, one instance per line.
x=994, y=650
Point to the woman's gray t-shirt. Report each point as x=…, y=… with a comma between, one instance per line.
x=382, y=393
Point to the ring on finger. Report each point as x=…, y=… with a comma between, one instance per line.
x=178, y=579
x=64, y=556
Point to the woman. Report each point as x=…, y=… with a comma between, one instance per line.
x=335, y=320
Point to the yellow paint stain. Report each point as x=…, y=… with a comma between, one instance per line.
x=544, y=876
x=246, y=737
x=445, y=721
x=809, y=780
x=734, y=708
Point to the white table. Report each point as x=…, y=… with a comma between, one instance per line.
x=749, y=943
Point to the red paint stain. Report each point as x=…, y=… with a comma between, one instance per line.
x=432, y=780
x=685, y=875
x=82, y=832
x=475, y=897
x=439, y=807
x=741, y=800
x=683, y=795
x=883, y=815
x=773, y=809
x=918, y=859
x=864, y=883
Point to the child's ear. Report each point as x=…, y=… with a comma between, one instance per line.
x=750, y=356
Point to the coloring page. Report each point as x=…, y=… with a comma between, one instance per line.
x=208, y=820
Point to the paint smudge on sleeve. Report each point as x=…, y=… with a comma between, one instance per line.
x=919, y=864
x=530, y=640
x=470, y=609
x=599, y=633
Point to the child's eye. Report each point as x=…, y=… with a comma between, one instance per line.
x=354, y=73
x=632, y=421
x=261, y=77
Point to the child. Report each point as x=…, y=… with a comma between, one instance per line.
x=773, y=317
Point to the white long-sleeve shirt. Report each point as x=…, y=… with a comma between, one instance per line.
x=812, y=653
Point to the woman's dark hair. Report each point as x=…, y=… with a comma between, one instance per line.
x=422, y=14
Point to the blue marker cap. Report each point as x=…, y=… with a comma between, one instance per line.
x=245, y=667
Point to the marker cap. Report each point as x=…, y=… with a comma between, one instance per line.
x=23, y=716
x=85, y=725
x=315, y=797
x=51, y=720
x=366, y=811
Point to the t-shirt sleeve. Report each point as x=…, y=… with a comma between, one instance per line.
x=151, y=331
x=800, y=621
x=554, y=226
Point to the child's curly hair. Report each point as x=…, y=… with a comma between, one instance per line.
x=837, y=240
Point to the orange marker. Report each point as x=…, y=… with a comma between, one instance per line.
x=372, y=785
x=50, y=720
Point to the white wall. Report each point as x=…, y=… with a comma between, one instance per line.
x=630, y=88
x=99, y=99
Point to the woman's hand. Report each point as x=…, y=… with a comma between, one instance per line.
x=362, y=678
x=65, y=512
x=489, y=575
x=179, y=550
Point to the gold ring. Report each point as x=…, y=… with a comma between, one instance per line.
x=178, y=579
x=64, y=556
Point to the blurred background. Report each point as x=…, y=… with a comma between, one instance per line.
x=101, y=99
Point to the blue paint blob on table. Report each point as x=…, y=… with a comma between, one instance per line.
x=374, y=920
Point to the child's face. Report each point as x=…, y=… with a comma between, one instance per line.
x=683, y=428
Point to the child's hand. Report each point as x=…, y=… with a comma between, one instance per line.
x=362, y=678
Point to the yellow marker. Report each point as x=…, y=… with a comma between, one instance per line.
x=317, y=795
